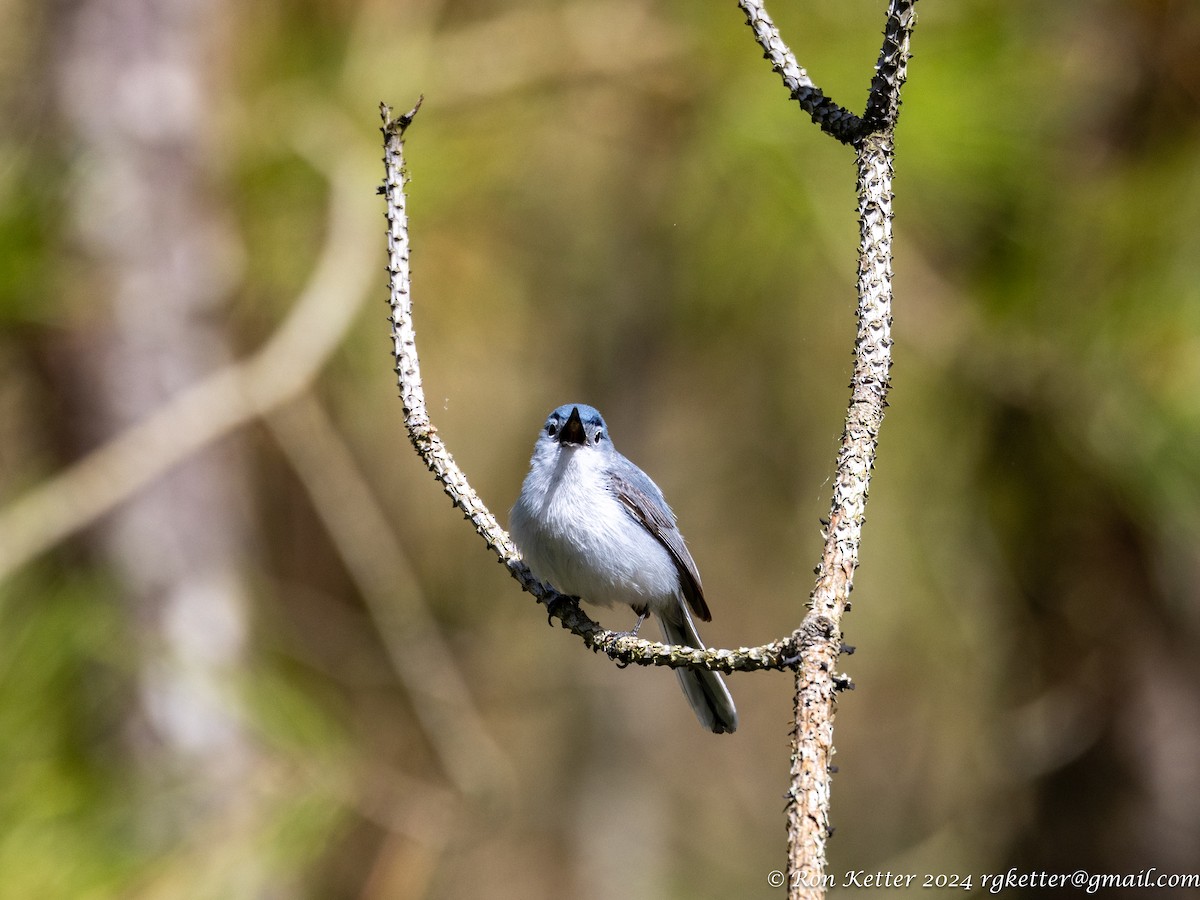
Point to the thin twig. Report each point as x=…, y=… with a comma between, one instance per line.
x=619, y=646
x=833, y=118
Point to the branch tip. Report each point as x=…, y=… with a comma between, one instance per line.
x=399, y=125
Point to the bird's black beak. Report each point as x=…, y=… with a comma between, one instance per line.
x=572, y=431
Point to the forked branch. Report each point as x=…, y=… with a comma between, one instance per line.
x=883, y=100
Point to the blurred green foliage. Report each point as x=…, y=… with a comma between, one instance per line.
x=615, y=202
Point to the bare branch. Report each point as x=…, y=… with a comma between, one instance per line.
x=817, y=684
x=883, y=102
x=424, y=436
x=814, y=649
x=833, y=118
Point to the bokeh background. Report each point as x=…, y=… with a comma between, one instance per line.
x=248, y=650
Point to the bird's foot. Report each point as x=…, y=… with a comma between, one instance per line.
x=557, y=606
x=636, y=626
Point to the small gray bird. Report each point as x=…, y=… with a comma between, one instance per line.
x=595, y=526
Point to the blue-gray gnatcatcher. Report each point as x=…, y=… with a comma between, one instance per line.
x=594, y=525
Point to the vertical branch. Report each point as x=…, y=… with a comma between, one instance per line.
x=817, y=683
x=869, y=386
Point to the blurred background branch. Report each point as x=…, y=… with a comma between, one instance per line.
x=377, y=562
x=218, y=403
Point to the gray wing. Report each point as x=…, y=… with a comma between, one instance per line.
x=646, y=504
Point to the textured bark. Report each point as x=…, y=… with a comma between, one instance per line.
x=817, y=683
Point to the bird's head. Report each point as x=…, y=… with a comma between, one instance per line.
x=576, y=426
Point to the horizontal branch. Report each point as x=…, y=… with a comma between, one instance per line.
x=625, y=649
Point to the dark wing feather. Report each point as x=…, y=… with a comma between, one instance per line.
x=647, y=506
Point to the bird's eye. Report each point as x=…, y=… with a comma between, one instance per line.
x=599, y=436
x=551, y=429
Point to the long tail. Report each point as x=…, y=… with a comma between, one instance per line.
x=706, y=691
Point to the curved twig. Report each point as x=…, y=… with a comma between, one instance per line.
x=833, y=118
x=622, y=648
